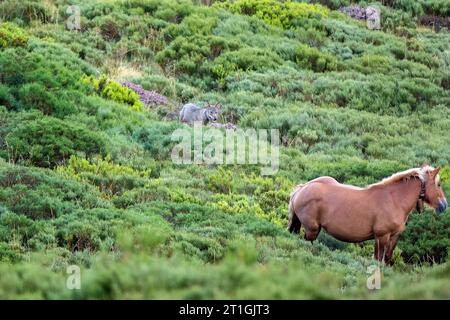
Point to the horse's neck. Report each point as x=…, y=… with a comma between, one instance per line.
x=406, y=194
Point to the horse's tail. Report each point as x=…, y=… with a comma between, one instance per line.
x=294, y=224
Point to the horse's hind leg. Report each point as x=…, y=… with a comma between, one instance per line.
x=311, y=222
x=294, y=224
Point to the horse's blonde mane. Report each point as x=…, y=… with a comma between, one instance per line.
x=407, y=174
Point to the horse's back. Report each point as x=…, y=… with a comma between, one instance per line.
x=325, y=195
x=299, y=187
x=324, y=179
x=329, y=190
x=332, y=184
x=342, y=210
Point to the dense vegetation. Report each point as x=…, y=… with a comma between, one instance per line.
x=86, y=176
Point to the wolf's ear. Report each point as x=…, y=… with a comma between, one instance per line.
x=218, y=106
x=208, y=104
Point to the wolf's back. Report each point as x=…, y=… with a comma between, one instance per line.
x=190, y=113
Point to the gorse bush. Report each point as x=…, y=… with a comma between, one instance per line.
x=117, y=92
x=12, y=36
x=284, y=14
x=114, y=91
x=147, y=97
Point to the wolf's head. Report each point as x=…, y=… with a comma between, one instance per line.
x=212, y=112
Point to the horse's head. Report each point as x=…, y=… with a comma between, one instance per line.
x=433, y=195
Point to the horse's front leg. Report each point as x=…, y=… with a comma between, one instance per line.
x=381, y=247
x=390, y=251
x=377, y=248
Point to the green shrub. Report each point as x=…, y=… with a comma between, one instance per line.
x=109, y=29
x=153, y=191
x=48, y=142
x=27, y=11
x=245, y=59
x=89, y=230
x=110, y=178
x=190, y=53
x=28, y=234
x=146, y=237
x=207, y=249
x=39, y=193
x=434, y=7
x=156, y=139
x=426, y=238
x=311, y=58
x=6, y=98
x=43, y=66
x=36, y=96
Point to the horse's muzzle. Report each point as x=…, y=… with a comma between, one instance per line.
x=442, y=206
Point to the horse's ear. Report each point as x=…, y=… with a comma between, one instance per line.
x=433, y=173
x=436, y=171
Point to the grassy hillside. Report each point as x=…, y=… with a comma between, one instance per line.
x=86, y=176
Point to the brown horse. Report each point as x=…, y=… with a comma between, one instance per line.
x=353, y=214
